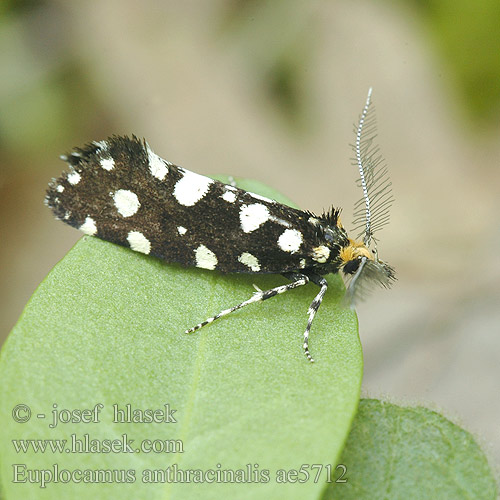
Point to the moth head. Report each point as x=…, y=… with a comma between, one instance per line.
x=363, y=270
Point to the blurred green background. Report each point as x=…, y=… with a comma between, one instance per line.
x=269, y=90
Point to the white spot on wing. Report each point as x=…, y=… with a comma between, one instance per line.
x=302, y=263
x=281, y=222
x=108, y=164
x=290, y=240
x=205, y=258
x=89, y=227
x=321, y=254
x=101, y=144
x=191, y=188
x=157, y=165
x=253, y=216
x=229, y=196
x=126, y=202
x=74, y=178
x=60, y=188
x=139, y=242
x=249, y=260
x=259, y=197
x=181, y=230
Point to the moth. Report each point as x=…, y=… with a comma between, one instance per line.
x=121, y=191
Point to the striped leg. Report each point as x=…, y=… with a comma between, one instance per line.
x=298, y=279
x=313, y=309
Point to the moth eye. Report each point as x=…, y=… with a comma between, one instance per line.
x=351, y=266
x=329, y=236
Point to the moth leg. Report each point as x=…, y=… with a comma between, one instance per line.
x=298, y=279
x=313, y=309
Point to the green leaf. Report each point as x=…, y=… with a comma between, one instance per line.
x=410, y=453
x=106, y=326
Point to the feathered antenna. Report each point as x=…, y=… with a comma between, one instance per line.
x=371, y=212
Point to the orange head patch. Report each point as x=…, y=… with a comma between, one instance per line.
x=354, y=250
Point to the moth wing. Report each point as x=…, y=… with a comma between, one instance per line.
x=121, y=191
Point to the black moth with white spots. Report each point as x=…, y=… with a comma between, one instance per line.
x=120, y=191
